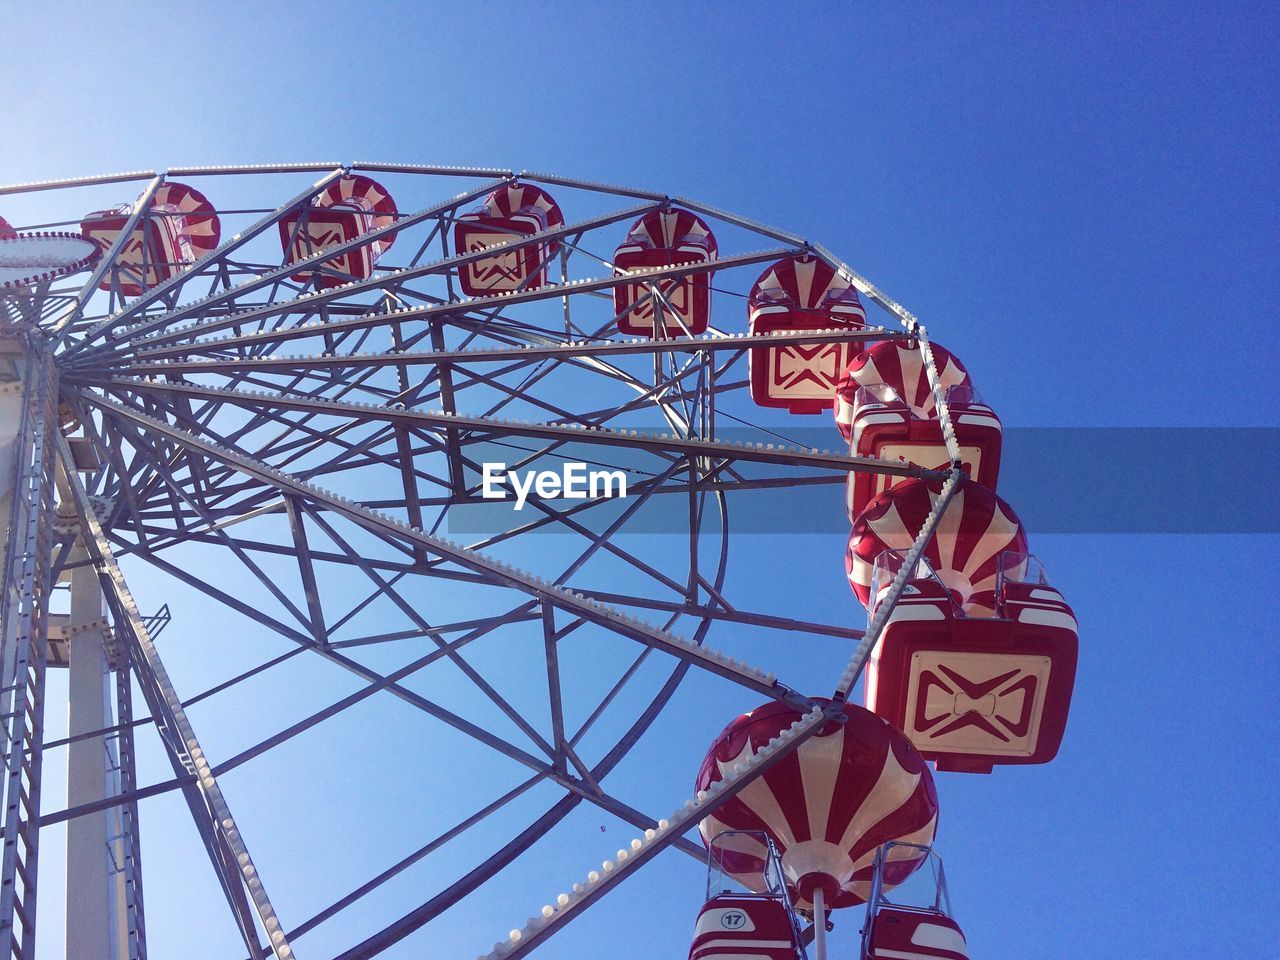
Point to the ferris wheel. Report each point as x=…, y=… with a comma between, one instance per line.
x=484, y=455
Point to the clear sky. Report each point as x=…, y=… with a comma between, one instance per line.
x=1079, y=201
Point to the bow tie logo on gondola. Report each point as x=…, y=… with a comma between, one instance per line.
x=133, y=250
x=498, y=267
x=798, y=364
x=950, y=702
x=677, y=296
x=320, y=237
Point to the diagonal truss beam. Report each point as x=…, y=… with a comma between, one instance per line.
x=569, y=907
x=498, y=572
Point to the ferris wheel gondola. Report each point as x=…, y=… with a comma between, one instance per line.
x=669, y=308
x=346, y=209
x=801, y=293
x=886, y=408
x=178, y=226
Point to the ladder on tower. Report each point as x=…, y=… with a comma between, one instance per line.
x=124, y=848
x=23, y=654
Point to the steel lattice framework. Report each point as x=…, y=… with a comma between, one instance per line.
x=322, y=436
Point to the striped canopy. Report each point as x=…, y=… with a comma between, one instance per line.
x=965, y=552
x=897, y=364
x=827, y=806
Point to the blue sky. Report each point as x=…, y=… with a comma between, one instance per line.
x=1079, y=202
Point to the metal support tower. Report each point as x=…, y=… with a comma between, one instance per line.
x=23, y=628
x=94, y=904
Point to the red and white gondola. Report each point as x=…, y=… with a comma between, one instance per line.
x=507, y=216
x=895, y=417
x=975, y=691
x=350, y=206
x=735, y=927
x=826, y=806
x=759, y=923
x=672, y=306
x=899, y=365
x=29, y=258
x=801, y=293
x=911, y=931
x=178, y=227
